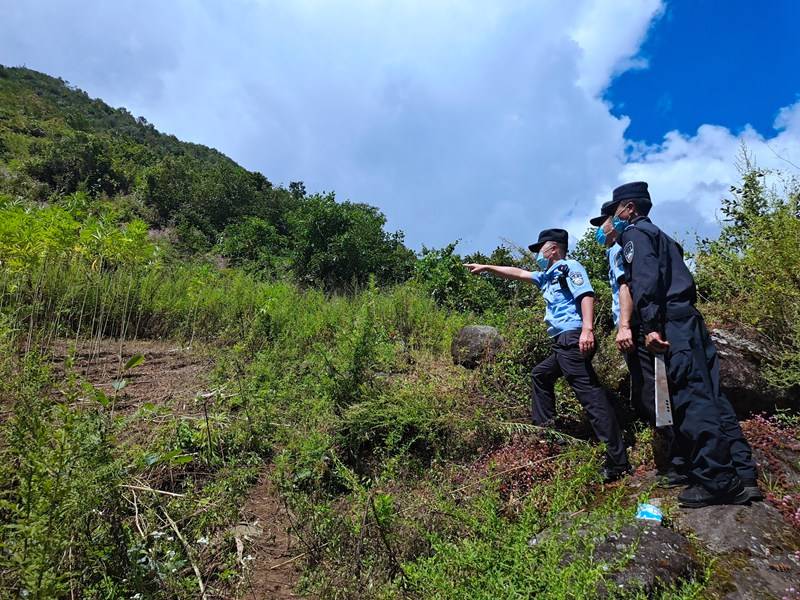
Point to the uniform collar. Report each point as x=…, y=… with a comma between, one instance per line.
x=638, y=219
x=551, y=268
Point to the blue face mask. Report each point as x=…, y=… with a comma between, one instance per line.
x=600, y=236
x=619, y=224
x=542, y=261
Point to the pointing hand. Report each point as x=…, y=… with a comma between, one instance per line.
x=475, y=268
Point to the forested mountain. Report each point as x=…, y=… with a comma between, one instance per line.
x=56, y=142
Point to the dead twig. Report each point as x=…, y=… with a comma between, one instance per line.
x=360, y=544
x=385, y=541
x=188, y=551
x=136, y=515
x=149, y=489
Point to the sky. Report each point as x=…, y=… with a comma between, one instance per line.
x=478, y=121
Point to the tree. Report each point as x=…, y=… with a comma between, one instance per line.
x=592, y=256
x=338, y=245
x=169, y=185
x=253, y=243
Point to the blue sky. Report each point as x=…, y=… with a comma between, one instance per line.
x=477, y=121
x=729, y=63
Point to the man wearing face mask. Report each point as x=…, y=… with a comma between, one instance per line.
x=720, y=464
x=670, y=466
x=569, y=314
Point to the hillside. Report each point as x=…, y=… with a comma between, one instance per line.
x=59, y=145
x=38, y=106
x=214, y=387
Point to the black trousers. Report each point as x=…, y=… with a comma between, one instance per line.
x=641, y=366
x=709, y=431
x=566, y=359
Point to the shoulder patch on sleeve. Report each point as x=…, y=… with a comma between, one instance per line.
x=576, y=277
x=628, y=251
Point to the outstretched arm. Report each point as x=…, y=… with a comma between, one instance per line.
x=504, y=272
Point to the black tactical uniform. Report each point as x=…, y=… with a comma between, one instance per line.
x=671, y=467
x=664, y=295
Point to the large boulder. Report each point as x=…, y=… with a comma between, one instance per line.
x=755, y=550
x=641, y=557
x=662, y=558
x=741, y=374
x=475, y=344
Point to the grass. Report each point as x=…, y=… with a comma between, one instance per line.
x=407, y=476
x=375, y=436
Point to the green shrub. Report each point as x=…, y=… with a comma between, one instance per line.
x=61, y=504
x=748, y=276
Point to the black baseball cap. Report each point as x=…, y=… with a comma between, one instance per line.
x=560, y=236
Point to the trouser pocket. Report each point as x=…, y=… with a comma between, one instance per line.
x=679, y=363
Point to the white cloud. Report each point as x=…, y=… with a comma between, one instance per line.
x=689, y=174
x=609, y=35
x=457, y=119
x=478, y=121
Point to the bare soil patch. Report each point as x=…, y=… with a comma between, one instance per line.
x=272, y=573
x=171, y=375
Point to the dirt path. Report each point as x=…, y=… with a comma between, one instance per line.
x=270, y=575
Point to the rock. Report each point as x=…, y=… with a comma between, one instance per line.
x=662, y=558
x=741, y=362
x=247, y=530
x=475, y=344
x=653, y=556
x=755, y=548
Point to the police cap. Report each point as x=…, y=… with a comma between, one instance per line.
x=607, y=210
x=560, y=236
x=635, y=191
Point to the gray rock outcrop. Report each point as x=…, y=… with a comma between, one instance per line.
x=475, y=344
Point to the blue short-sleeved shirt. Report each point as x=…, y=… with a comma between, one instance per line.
x=616, y=273
x=562, y=286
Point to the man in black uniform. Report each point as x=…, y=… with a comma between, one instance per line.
x=721, y=467
x=670, y=466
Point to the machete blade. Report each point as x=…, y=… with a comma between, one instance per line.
x=663, y=402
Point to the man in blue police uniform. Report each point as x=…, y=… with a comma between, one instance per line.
x=670, y=467
x=569, y=315
x=721, y=468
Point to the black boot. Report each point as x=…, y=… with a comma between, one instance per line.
x=754, y=493
x=696, y=496
x=672, y=479
x=611, y=474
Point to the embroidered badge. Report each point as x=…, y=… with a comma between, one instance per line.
x=576, y=277
x=628, y=250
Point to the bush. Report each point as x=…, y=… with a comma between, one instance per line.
x=748, y=276
x=62, y=514
x=339, y=245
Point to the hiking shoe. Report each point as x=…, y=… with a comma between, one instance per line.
x=672, y=479
x=696, y=496
x=754, y=493
x=611, y=474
